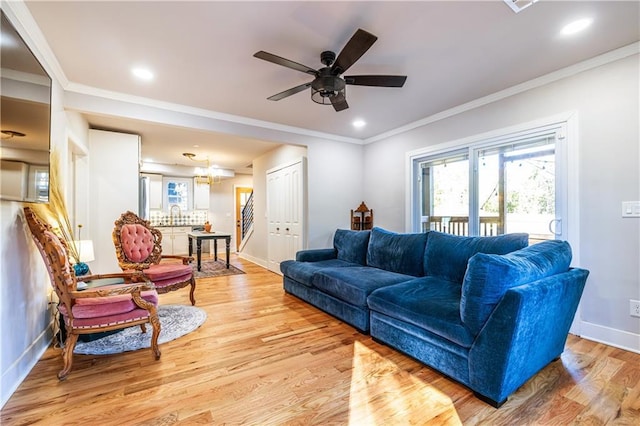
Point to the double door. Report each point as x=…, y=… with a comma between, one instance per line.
x=285, y=213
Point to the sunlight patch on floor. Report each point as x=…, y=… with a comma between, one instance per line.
x=380, y=391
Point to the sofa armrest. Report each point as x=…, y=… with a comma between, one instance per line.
x=315, y=255
x=526, y=331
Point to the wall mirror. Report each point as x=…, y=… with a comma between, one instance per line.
x=25, y=120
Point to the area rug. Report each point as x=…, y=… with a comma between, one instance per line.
x=214, y=268
x=175, y=321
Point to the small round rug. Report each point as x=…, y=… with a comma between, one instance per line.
x=175, y=321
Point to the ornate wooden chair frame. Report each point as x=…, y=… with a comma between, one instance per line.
x=149, y=262
x=54, y=252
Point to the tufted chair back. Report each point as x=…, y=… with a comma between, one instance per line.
x=137, y=243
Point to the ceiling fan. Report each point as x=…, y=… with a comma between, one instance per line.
x=328, y=87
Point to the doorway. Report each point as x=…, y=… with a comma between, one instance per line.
x=243, y=194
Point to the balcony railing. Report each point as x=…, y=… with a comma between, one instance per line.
x=247, y=216
x=459, y=225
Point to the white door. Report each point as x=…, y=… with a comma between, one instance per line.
x=285, y=213
x=274, y=219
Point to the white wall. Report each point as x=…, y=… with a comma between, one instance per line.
x=334, y=187
x=335, y=176
x=114, y=172
x=606, y=100
x=222, y=206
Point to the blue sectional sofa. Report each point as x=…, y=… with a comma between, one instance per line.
x=489, y=312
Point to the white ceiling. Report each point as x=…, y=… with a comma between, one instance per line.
x=202, y=56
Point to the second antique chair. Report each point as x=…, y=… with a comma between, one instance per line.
x=97, y=309
x=138, y=248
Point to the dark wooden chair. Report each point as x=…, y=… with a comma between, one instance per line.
x=98, y=309
x=138, y=248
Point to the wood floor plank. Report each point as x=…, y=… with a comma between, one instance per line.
x=266, y=358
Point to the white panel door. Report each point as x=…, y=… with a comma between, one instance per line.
x=285, y=213
x=292, y=218
x=274, y=219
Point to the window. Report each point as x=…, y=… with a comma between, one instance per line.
x=444, y=189
x=514, y=182
x=516, y=188
x=177, y=192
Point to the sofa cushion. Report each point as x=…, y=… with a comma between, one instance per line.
x=166, y=271
x=489, y=276
x=302, y=272
x=315, y=255
x=401, y=253
x=446, y=255
x=351, y=246
x=431, y=303
x=353, y=285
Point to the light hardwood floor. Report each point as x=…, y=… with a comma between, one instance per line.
x=266, y=358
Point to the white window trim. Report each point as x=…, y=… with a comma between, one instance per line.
x=565, y=123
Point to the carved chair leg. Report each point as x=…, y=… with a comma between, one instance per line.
x=143, y=327
x=193, y=289
x=67, y=355
x=153, y=319
x=155, y=324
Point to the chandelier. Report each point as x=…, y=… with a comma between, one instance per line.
x=208, y=175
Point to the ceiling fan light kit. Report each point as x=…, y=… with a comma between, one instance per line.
x=328, y=87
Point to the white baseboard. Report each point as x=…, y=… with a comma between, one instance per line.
x=610, y=336
x=18, y=371
x=257, y=261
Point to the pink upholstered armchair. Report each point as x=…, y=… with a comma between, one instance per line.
x=138, y=248
x=94, y=310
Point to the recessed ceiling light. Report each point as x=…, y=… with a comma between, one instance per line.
x=142, y=73
x=358, y=124
x=576, y=26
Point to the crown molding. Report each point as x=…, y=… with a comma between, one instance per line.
x=201, y=112
x=606, y=58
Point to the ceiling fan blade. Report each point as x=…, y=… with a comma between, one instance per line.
x=339, y=102
x=359, y=43
x=270, y=57
x=289, y=92
x=376, y=80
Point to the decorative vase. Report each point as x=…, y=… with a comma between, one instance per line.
x=207, y=227
x=81, y=269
